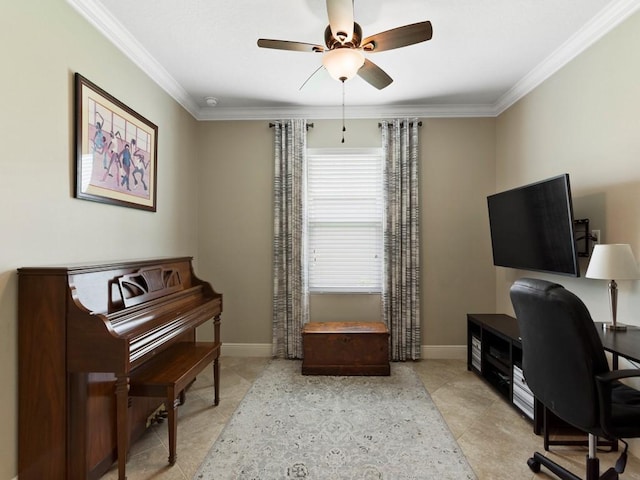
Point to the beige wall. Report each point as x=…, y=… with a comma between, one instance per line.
x=235, y=224
x=457, y=172
x=42, y=44
x=585, y=120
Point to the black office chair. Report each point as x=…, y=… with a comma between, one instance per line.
x=565, y=367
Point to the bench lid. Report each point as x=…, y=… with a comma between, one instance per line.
x=345, y=327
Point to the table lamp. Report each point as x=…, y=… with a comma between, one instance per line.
x=610, y=262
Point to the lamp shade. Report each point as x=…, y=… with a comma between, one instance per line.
x=613, y=262
x=343, y=63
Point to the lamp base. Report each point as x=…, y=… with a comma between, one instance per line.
x=614, y=328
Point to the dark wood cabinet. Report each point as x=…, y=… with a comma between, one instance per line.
x=494, y=352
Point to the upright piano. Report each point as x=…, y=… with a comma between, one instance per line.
x=82, y=331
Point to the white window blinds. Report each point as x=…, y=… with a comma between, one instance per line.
x=344, y=215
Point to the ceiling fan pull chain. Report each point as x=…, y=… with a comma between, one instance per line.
x=344, y=129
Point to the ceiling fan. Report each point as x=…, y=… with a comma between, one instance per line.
x=343, y=55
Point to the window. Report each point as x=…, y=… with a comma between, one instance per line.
x=344, y=215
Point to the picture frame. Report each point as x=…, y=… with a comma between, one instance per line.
x=116, y=150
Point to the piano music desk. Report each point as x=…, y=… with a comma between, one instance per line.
x=168, y=374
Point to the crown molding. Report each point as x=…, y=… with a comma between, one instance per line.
x=107, y=24
x=352, y=112
x=608, y=18
x=611, y=16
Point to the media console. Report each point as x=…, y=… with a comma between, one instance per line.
x=494, y=352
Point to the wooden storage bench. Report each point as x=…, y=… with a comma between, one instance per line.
x=169, y=373
x=345, y=348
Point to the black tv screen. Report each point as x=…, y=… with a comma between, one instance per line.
x=532, y=227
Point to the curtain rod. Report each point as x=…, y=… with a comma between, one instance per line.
x=309, y=125
x=402, y=124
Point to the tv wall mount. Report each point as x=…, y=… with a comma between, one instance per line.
x=583, y=237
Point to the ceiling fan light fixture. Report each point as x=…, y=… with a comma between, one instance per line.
x=343, y=63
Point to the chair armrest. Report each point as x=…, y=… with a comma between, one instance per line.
x=604, y=383
x=617, y=375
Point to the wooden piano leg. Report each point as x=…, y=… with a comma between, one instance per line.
x=216, y=366
x=173, y=429
x=216, y=381
x=122, y=423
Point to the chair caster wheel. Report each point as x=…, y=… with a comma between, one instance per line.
x=534, y=465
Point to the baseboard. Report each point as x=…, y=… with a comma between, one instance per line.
x=443, y=352
x=246, y=349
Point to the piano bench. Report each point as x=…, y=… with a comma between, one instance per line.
x=169, y=373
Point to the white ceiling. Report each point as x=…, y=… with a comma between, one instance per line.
x=483, y=56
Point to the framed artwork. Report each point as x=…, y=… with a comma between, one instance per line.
x=116, y=150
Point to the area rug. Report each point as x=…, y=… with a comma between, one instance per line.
x=294, y=426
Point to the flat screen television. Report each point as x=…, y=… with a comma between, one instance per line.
x=532, y=227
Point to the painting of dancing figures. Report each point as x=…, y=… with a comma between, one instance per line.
x=116, y=147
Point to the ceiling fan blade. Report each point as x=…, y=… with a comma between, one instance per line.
x=340, y=13
x=398, y=37
x=287, y=45
x=373, y=74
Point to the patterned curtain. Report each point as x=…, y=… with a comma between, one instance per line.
x=290, y=293
x=401, y=279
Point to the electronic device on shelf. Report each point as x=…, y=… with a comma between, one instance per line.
x=532, y=227
x=498, y=354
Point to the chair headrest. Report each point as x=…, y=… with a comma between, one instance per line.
x=536, y=284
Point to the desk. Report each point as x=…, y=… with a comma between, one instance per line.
x=494, y=348
x=624, y=343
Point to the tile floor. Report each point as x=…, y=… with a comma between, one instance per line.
x=496, y=440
